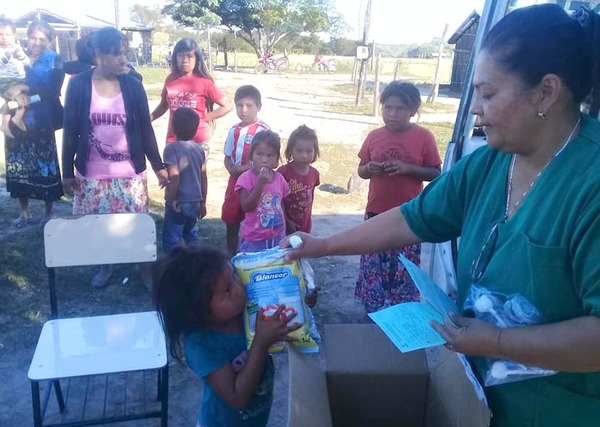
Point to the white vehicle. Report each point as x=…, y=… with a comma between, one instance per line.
x=438, y=260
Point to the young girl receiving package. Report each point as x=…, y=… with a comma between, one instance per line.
x=262, y=190
x=200, y=302
x=302, y=149
x=396, y=158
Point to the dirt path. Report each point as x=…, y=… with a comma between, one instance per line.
x=288, y=101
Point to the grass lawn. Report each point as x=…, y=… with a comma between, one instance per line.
x=153, y=75
x=413, y=69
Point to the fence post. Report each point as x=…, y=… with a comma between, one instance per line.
x=397, y=70
x=376, y=86
x=354, y=70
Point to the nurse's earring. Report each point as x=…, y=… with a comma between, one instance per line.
x=541, y=115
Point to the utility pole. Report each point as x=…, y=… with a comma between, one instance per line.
x=436, y=86
x=235, y=50
x=117, y=15
x=363, y=65
x=210, y=61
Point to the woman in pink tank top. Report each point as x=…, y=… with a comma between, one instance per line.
x=108, y=137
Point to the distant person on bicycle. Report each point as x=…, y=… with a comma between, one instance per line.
x=320, y=62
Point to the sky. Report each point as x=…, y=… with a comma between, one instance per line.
x=392, y=21
x=407, y=21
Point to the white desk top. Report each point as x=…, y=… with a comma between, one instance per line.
x=97, y=345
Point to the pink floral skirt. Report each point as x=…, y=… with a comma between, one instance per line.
x=110, y=195
x=383, y=281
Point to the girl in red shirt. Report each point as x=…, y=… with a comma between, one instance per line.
x=190, y=85
x=302, y=149
x=396, y=158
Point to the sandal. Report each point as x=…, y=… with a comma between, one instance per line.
x=101, y=278
x=20, y=222
x=44, y=220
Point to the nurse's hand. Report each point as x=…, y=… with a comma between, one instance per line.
x=312, y=247
x=470, y=336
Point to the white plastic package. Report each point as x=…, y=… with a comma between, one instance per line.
x=505, y=311
x=270, y=281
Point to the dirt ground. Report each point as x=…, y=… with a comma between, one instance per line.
x=288, y=101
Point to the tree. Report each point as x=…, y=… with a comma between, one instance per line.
x=148, y=16
x=261, y=23
x=343, y=46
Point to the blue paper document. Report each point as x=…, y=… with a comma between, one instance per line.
x=407, y=324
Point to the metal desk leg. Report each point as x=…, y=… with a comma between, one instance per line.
x=164, y=398
x=59, y=396
x=35, y=399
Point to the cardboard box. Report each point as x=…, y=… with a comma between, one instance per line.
x=369, y=383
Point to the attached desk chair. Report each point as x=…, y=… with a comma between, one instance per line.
x=91, y=346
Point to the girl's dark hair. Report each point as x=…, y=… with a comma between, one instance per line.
x=200, y=70
x=185, y=123
x=109, y=40
x=301, y=132
x=189, y=45
x=185, y=282
x=84, y=50
x=266, y=137
x=406, y=92
x=44, y=27
x=542, y=39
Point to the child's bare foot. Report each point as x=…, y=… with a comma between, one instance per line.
x=5, y=128
x=18, y=117
x=18, y=121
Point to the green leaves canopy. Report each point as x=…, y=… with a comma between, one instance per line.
x=262, y=23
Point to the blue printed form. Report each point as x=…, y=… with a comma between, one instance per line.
x=407, y=324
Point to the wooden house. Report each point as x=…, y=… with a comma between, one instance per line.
x=69, y=29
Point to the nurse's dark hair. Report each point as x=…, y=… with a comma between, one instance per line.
x=406, y=92
x=108, y=40
x=544, y=39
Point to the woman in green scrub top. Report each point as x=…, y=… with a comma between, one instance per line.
x=527, y=210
